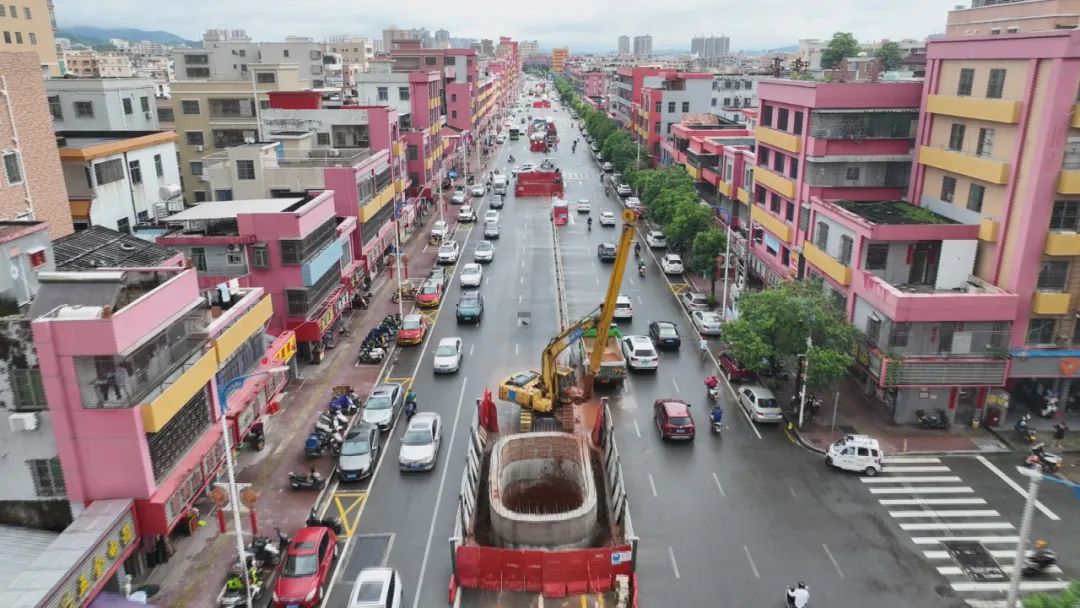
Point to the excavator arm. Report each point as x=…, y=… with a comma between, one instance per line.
x=607, y=310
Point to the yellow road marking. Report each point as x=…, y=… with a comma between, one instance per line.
x=346, y=503
x=600, y=599
x=679, y=288
x=407, y=382
x=584, y=604
x=431, y=315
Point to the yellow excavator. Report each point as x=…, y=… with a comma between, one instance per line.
x=540, y=392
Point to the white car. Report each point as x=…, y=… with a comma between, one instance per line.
x=692, y=300
x=607, y=218
x=760, y=404
x=420, y=443
x=656, y=239
x=479, y=190
x=607, y=167
x=707, y=323
x=491, y=216
x=671, y=264
x=449, y=252
x=466, y=214
x=623, y=190
x=491, y=230
x=448, y=356
x=471, y=275
x=500, y=139
x=459, y=196
x=583, y=205
x=624, y=309
x=484, y=252
x=525, y=168
x=859, y=453
x=376, y=588
x=440, y=229
x=640, y=353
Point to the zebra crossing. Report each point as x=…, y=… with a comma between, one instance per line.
x=933, y=506
x=568, y=175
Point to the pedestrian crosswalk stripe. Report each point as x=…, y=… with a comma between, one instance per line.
x=910, y=460
x=956, y=513
x=958, y=525
x=924, y=490
x=917, y=479
x=986, y=540
x=958, y=571
x=1024, y=586
x=915, y=469
x=932, y=501
x=1005, y=554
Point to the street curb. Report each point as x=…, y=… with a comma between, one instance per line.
x=806, y=444
x=1002, y=439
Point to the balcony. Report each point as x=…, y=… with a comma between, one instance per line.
x=1048, y=303
x=777, y=139
x=693, y=171
x=993, y=110
x=724, y=188
x=177, y=390
x=1062, y=244
x=322, y=261
x=985, y=169
x=975, y=301
x=833, y=268
x=1069, y=182
x=1075, y=122
x=773, y=224
x=373, y=206
x=775, y=182
x=743, y=196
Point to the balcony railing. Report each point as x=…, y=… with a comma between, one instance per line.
x=863, y=125
x=117, y=383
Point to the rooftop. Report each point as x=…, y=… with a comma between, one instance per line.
x=893, y=212
x=99, y=247
x=14, y=229
x=219, y=210
x=88, y=145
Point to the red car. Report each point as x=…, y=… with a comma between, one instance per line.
x=734, y=370
x=430, y=294
x=306, y=568
x=413, y=329
x=673, y=419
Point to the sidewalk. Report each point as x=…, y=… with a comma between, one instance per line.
x=195, y=574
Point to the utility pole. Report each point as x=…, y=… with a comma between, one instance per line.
x=1034, y=477
x=727, y=271
x=805, y=377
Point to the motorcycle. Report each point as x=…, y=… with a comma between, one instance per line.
x=1021, y=427
x=716, y=423
x=410, y=410
x=792, y=596
x=327, y=522
x=346, y=404
x=256, y=437
x=264, y=551
x=373, y=354
x=312, y=481
x=1040, y=458
x=232, y=597
x=935, y=421
x=1037, y=562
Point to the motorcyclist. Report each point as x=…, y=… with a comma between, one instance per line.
x=712, y=382
x=589, y=222
x=1022, y=423
x=798, y=596
x=234, y=582
x=511, y=159
x=641, y=266
x=717, y=415
x=637, y=248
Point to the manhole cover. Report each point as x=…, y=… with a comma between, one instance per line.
x=975, y=560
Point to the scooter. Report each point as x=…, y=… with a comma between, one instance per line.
x=229, y=598
x=410, y=410
x=641, y=269
x=935, y=421
x=312, y=481
x=1037, y=562
x=264, y=551
x=1039, y=457
x=1021, y=427
x=326, y=425
x=344, y=405
x=256, y=437
x=717, y=426
x=327, y=522
x=1050, y=408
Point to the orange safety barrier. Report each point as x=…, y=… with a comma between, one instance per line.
x=491, y=568
x=555, y=572
x=534, y=571
x=513, y=571
x=467, y=565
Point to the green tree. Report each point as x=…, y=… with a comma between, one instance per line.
x=690, y=219
x=890, y=55
x=708, y=245
x=774, y=323
x=842, y=46
x=1068, y=598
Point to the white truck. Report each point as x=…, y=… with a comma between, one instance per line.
x=499, y=184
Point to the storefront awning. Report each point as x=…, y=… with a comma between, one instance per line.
x=80, y=208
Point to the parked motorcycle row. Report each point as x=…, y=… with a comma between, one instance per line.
x=327, y=435
x=262, y=556
x=377, y=342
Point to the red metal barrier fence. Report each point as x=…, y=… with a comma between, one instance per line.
x=553, y=573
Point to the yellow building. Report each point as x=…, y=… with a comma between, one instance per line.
x=28, y=26
x=558, y=59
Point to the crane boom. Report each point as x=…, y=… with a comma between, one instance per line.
x=607, y=311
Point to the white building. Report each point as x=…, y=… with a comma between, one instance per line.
x=91, y=64
x=226, y=55
x=710, y=47
x=643, y=46
x=731, y=93
x=529, y=47
x=102, y=104
x=624, y=46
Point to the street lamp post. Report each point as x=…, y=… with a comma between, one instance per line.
x=234, y=497
x=1034, y=477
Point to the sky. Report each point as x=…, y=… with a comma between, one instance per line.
x=583, y=25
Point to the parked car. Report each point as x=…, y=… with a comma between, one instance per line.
x=471, y=275
x=466, y=214
x=707, y=323
x=624, y=309
x=491, y=230
x=607, y=218
x=760, y=404
x=430, y=294
x=595, y=148
x=376, y=588
x=665, y=334
x=439, y=229
x=656, y=238
x=606, y=252
x=438, y=273
x=607, y=167
x=478, y=190
x=673, y=419
x=383, y=404
x=308, y=564
x=671, y=263
x=449, y=252
x=470, y=307
x=736, y=372
x=583, y=205
x=359, y=453
x=413, y=329
x=623, y=190
x=500, y=139
x=459, y=196
x=447, y=358
x=693, y=300
x=640, y=353
x=484, y=252
x=420, y=444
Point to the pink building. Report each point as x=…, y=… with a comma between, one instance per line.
x=587, y=83
x=717, y=155
x=297, y=251
x=850, y=141
x=628, y=84
x=667, y=97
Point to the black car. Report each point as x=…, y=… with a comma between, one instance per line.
x=665, y=334
x=606, y=252
x=470, y=307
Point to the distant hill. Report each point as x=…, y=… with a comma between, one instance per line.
x=95, y=36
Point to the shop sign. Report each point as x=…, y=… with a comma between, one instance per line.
x=245, y=418
x=1069, y=365
x=287, y=350
x=327, y=319
x=83, y=578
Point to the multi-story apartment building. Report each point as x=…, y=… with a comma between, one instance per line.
x=732, y=93
x=159, y=69
x=28, y=28
x=627, y=84
x=212, y=115
x=995, y=17
x=558, y=59
x=468, y=89
x=393, y=34
x=92, y=64
x=710, y=47
x=295, y=250
x=530, y=47
x=102, y=104
x=27, y=141
x=623, y=46
x=719, y=155
x=231, y=55
x=587, y=82
x=666, y=97
x=643, y=46
x=354, y=51
x=832, y=140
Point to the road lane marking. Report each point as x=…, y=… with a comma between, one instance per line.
x=751, y=560
x=472, y=347
x=952, y=513
x=674, y=564
x=718, y=486
x=1012, y=484
x=639, y=301
x=957, y=571
x=352, y=501
x=516, y=347
x=676, y=385
x=652, y=485
x=924, y=490
x=521, y=280
x=438, y=497
x=520, y=297
x=637, y=429
x=910, y=460
x=1024, y=586
x=932, y=501
x=915, y=469
x=959, y=525
x=913, y=479
x=833, y=560
x=1004, y=554
x=986, y=540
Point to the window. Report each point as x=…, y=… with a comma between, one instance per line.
x=727, y=102
x=198, y=72
x=28, y=392
x=789, y=211
x=196, y=168
x=686, y=106
x=189, y=106
x=671, y=106
x=1041, y=331
x=948, y=188
x=194, y=138
x=713, y=102
x=873, y=328
x=129, y=108
x=995, y=85
x=322, y=139
x=26, y=12
x=48, y=477
x=430, y=60
x=144, y=103
x=877, y=256
x=782, y=119
x=198, y=258
x=453, y=114
x=796, y=128
x=224, y=194
x=285, y=53
x=411, y=153
x=135, y=171
x=3, y=11
x=985, y=146
x=315, y=55
x=774, y=203
x=778, y=163
x=851, y=174
x=1053, y=275
x=200, y=195
x=245, y=169
x=763, y=157
x=84, y=109
x=159, y=168
x=453, y=98
x=383, y=93
x=109, y=171
x=403, y=93
x=265, y=77
x=975, y=197
x=847, y=245
x=956, y=137
x=967, y=79
x=793, y=168
x=1064, y=216
x=7, y=37
x=18, y=37
x=12, y=168
x=766, y=115
x=260, y=255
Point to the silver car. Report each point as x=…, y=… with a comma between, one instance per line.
x=491, y=230
x=707, y=323
x=447, y=356
x=693, y=300
x=383, y=404
x=484, y=252
x=359, y=453
x=420, y=444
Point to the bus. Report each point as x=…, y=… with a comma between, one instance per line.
x=515, y=133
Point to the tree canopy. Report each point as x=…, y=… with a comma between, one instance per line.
x=890, y=55
x=1068, y=598
x=842, y=46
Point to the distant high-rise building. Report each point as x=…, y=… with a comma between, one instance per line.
x=710, y=47
x=442, y=39
x=624, y=45
x=394, y=33
x=530, y=47
x=642, y=46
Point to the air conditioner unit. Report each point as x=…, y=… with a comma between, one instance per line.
x=149, y=115
x=198, y=148
x=233, y=248
x=27, y=421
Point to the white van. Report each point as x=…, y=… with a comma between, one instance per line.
x=859, y=453
x=498, y=184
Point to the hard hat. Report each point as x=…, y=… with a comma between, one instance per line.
x=1042, y=544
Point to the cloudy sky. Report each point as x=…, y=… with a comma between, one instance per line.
x=587, y=25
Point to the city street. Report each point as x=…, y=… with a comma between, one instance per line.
x=748, y=513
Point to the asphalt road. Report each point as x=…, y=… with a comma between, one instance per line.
x=728, y=520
